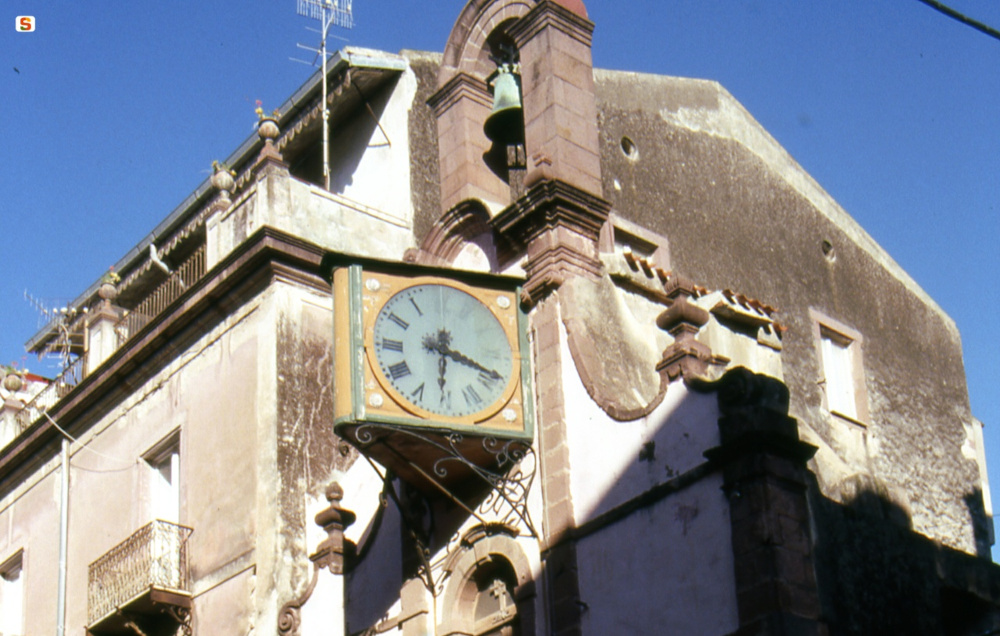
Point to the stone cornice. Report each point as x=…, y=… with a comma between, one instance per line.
x=266, y=256
x=459, y=87
x=550, y=14
x=557, y=225
x=549, y=203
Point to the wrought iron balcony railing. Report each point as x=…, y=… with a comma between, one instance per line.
x=152, y=559
x=183, y=277
x=55, y=391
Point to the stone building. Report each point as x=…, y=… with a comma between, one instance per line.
x=519, y=369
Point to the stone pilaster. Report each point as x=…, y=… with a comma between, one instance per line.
x=558, y=516
x=560, y=111
x=764, y=472
x=461, y=106
x=558, y=225
x=102, y=341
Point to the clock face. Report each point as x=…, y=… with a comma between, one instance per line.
x=442, y=351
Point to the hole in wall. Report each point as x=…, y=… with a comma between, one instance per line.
x=629, y=148
x=828, y=251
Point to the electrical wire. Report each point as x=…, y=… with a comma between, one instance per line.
x=73, y=440
x=964, y=19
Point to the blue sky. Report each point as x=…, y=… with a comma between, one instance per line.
x=116, y=111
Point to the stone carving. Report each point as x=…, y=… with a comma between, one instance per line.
x=333, y=553
x=686, y=357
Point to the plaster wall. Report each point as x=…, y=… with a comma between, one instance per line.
x=373, y=587
x=368, y=152
x=675, y=571
x=665, y=569
x=323, y=217
x=425, y=177
x=606, y=467
x=29, y=522
x=211, y=393
x=302, y=209
x=367, y=157
x=307, y=454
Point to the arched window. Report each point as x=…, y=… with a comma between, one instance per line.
x=490, y=590
x=494, y=612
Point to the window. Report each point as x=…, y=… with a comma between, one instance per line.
x=843, y=371
x=838, y=372
x=164, y=479
x=12, y=597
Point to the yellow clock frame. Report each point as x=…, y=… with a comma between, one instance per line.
x=363, y=394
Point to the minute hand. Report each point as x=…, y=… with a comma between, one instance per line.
x=444, y=349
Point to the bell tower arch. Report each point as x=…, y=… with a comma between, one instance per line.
x=463, y=102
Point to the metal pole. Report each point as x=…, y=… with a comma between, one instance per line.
x=63, y=540
x=326, y=129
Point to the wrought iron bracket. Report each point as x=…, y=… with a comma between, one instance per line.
x=290, y=616
x=509, y=482
x=183, y=617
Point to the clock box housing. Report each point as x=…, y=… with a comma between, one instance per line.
x=431, y=372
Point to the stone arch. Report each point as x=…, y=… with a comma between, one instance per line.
x=498, y=555
x=467, y=50
x=467, y=224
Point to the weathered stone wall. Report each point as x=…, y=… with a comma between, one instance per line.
x=425, y=177
x=309, y=454
x=878, y=577
x=740, y=214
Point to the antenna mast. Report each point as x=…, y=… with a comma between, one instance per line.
x=328, y=12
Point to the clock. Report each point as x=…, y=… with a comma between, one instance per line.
x=439, y=351
x=418, y=350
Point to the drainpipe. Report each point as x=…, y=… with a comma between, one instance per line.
x=63, y=539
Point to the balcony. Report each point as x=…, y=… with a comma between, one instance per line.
x=141, y=585
x=50, y=394
x=144, y=310
x=145, y=296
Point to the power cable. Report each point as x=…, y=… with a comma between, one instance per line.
x=964, y=19
x=89, y=449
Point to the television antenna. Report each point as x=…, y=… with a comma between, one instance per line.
x=329, y=13
x=64, y=317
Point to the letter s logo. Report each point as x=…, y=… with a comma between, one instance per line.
x=25, y=23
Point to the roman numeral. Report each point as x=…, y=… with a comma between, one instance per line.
x=400, y=370
x=488, y=379
x=392, y=345
x=418, y=393
x=471, y=397
x=399, y=321
x=416, y=306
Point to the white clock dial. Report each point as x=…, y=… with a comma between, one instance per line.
x=443, y=351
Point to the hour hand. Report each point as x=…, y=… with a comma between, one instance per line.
x=439, y=344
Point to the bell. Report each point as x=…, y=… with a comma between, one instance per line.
x=505, y=125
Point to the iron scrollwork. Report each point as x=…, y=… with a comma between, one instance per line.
x=509, y=474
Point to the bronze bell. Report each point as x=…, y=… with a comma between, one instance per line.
x=505, y=125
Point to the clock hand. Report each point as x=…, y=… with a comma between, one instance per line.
x=442, y=365
x=467, y=361
x=440, y=345
x=434, y=344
